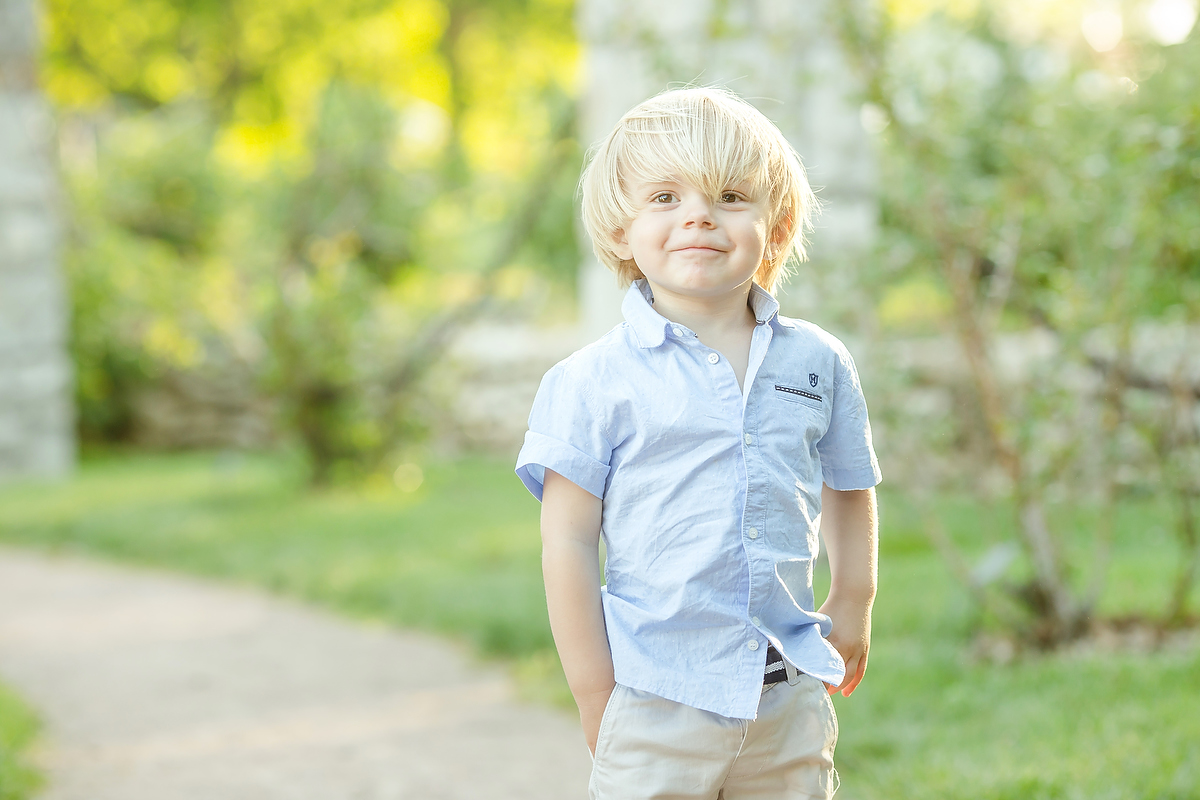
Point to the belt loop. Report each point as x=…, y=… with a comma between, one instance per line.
x=792, y=673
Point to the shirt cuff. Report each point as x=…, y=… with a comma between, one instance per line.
x=541, y=452
x=849, y=480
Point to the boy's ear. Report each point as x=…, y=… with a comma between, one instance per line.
x=620, y=245
x=782, y=229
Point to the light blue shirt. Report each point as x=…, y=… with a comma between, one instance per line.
x=712, y=494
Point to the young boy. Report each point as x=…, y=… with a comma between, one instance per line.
x=706, y=438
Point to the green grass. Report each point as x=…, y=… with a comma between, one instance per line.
x=18, y=726
x=460, y=556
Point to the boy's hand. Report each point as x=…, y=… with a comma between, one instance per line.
x=851, y=637
x=591, y=712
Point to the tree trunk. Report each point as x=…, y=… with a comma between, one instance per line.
x=1177, y=611
x=1048, y=596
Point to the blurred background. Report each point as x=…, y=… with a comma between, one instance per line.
x=278, y=280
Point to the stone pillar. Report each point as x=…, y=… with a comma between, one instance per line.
x=36, y=412
x=781, y=55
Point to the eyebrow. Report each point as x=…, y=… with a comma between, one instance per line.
x=652, y=185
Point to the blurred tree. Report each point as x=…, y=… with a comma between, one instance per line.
x=1035, y=184
x=305, y=188
x=347, y=346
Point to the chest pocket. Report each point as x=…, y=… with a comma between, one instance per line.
x=796, y=395
x=796, y=418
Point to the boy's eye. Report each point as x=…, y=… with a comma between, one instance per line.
x=663, y=197
x=730, y=197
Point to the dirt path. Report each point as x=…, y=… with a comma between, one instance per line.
x=158, y=687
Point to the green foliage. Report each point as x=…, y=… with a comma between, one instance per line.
x=18, y=727
x=344, y=235
x=460, y=556
x=145, y=226
x=1033, y=189
x=1081, y=168
x=294, y=192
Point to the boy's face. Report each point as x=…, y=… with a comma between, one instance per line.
x=690, y=245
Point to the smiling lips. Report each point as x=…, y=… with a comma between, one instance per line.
x=700, y=247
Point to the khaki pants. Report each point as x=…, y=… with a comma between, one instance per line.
x=649, y=748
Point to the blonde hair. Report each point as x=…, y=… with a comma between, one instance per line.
x=713, y=140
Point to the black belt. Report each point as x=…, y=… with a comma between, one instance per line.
x=776, y=671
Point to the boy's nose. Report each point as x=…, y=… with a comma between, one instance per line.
x=697, y=212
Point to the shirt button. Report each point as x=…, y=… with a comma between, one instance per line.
x=749, y=439
x=752, y=644
x=756, y=621
x=752, y=533
x=713, y=358
x=677, y=331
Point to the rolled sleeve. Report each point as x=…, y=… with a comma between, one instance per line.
x=541, y=452
x=848, y=459
x=848, y=480
x=565, y=435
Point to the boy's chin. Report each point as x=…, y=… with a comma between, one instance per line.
x=702, y=285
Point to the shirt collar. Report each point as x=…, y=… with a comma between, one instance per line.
x=650, y=327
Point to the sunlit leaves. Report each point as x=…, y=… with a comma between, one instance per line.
x=262, y=65
x=297, y=187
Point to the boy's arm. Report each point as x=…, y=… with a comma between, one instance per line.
x=571, y=569
x=849, y=526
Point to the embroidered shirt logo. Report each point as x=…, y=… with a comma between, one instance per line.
x=812, y=379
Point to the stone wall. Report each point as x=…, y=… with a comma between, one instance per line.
x=484, y=388
x=36, y=414
x=216, y=406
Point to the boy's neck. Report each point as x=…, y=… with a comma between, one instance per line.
x=714, y=318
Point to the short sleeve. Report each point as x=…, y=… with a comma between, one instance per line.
x=847, y=456
x=565, y=435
